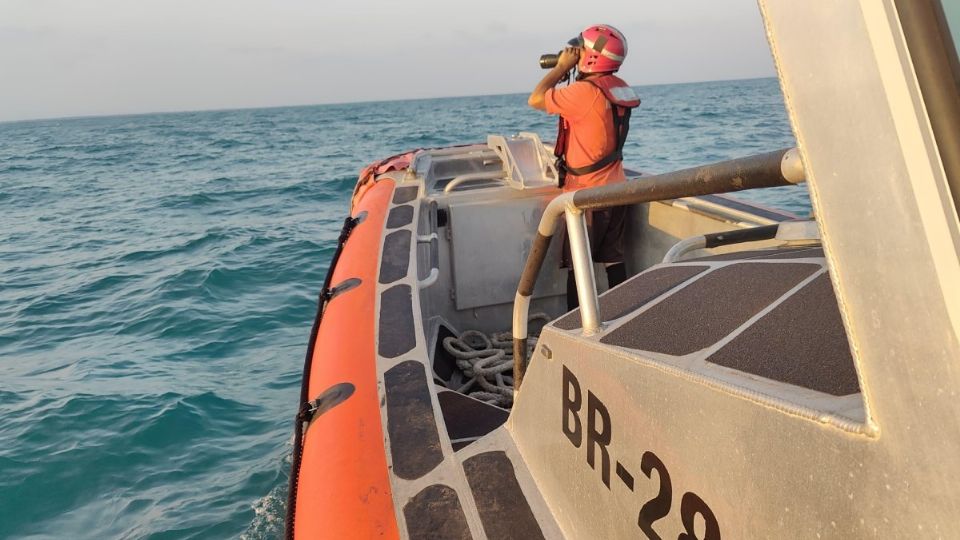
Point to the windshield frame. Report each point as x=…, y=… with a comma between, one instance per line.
x=935, y=62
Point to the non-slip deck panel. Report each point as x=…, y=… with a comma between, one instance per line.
x=436, y=513
x=802, y=341
x=414, y=440
x=503, y=509
x=396, y=335
x=708, y=309
x=396, y=256
x=635, y=293
x=400, y=216
x=466, y=417
x=776, y=253
x=405, y=194
x=459, y=445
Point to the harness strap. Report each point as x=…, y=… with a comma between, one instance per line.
x=560, y=150
x=621, y=127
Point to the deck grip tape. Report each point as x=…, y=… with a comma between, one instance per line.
x=466, y=417
x=396, y=256
x=436, y=513
x=635, y=293
x=813, y=353
x=503, y=509
x=707, y=310
x=400, y=216
x=405, y=194
x=411, y=424
x=397, y=333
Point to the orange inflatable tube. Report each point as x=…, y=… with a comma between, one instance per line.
x=342, y=489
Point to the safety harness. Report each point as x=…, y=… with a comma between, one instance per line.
x=622, y=100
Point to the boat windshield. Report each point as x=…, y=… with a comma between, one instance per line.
x=932, y=33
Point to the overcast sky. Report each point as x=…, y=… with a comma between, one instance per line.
x=91, y=57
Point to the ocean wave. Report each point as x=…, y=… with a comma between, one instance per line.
x=227, y=144
x=269, y=514
x=225, y=198
x=176, y=249
x=10, y=169
x=8, y=398
x=167, y=438
x=193, y=158
x=84, y=292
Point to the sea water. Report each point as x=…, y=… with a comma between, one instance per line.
x=158, y=281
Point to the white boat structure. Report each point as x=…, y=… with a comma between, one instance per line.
x=758, y=375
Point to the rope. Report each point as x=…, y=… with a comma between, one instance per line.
x=487, y=363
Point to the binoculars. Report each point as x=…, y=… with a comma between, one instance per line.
x=549, y=61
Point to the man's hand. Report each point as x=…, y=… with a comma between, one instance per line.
x=568, y=58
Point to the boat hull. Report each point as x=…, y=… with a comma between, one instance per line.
x=342, y=489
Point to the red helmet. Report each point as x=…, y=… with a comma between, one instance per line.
x=606, y=47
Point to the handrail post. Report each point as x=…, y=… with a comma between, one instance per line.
x=583, y=269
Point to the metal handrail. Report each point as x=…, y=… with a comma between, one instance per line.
x=469, y=177
x=779, y=168
x=722, y=238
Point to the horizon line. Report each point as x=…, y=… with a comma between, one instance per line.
x=327, y=104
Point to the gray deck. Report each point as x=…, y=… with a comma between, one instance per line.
x=745, y=311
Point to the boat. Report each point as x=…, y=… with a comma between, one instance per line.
x=758, y=375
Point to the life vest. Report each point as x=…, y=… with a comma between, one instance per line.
x=622, y=100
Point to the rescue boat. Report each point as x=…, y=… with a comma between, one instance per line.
x=758, y=375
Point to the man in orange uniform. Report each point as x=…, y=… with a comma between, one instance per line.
x=594, y=121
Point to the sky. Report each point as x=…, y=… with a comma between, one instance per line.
x=63, y=58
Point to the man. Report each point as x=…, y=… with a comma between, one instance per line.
x=594, y=121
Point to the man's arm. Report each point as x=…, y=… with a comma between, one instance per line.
x=568, y=59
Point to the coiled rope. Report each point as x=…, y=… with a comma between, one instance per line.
x=487, y=362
